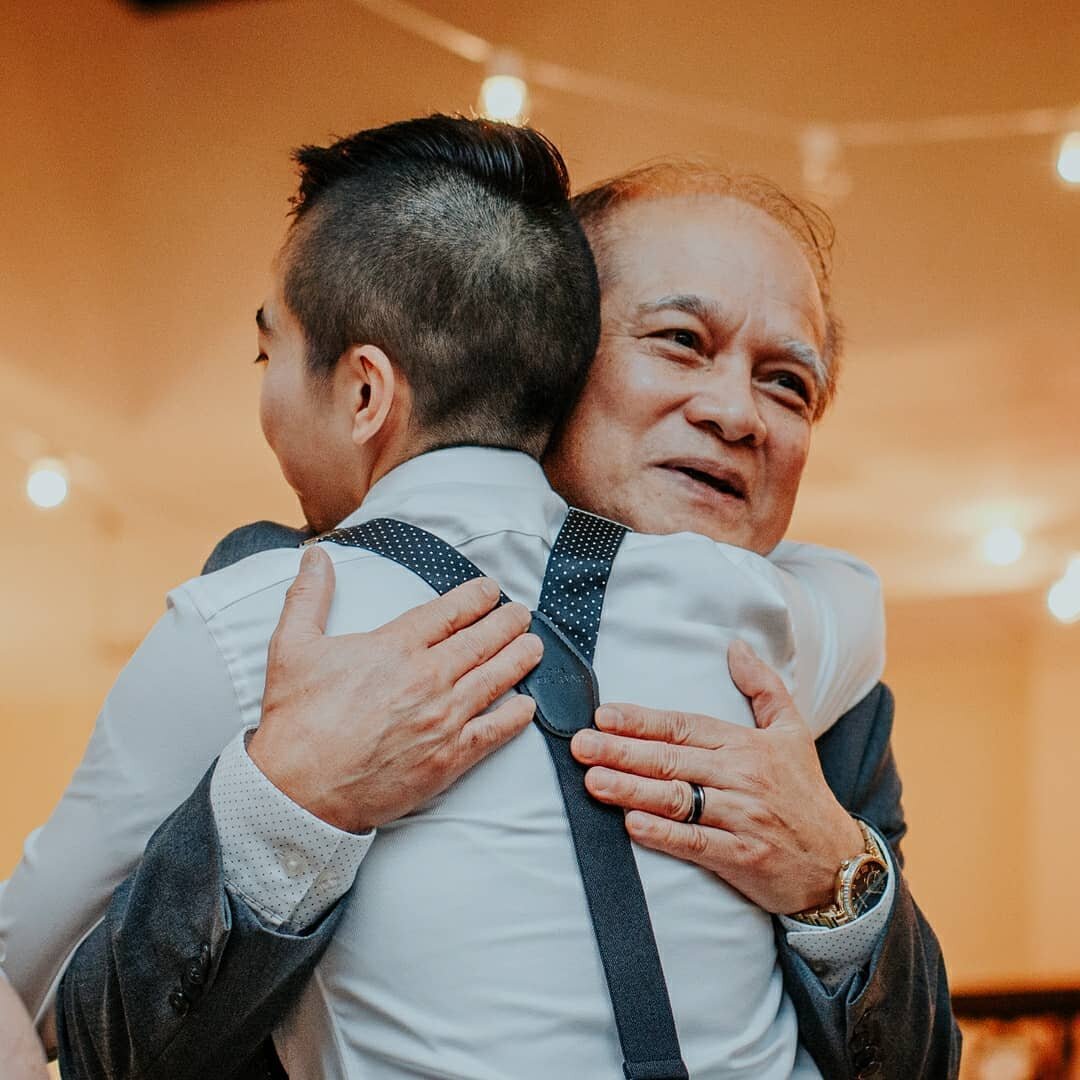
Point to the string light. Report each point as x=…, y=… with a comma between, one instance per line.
x=47, y=483
x=500, y=95
x=1002, y=546
x=504, y=94
x=1068, y=162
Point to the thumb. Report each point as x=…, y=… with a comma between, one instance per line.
x=769, y=697
x=307, y=603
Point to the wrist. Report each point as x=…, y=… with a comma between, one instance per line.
x=848, y=842
x=302, y=780
x=858, y=884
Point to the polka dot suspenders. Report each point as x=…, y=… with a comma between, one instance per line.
x=567, y=619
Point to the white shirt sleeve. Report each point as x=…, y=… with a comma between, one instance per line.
x=167, y=717
x=286, y=863
x=838, y=622
x=835, y=953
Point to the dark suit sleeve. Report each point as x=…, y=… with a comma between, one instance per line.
x=893, y=1018
x=180, y=980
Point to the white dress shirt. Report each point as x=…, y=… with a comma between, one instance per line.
x=466, y=948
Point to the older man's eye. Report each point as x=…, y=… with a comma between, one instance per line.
x=686, y=339
x=796, y=383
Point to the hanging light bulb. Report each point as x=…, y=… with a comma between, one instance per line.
x=503, y=94
x=1068, y=162
x=47, y=483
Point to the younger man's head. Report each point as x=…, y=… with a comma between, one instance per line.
x=434, y=289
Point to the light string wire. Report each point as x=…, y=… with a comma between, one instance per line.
x=958, y=127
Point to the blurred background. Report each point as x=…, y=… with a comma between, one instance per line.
x=145, y=171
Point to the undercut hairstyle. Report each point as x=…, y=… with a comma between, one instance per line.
x=450, y=244
x=808, y=224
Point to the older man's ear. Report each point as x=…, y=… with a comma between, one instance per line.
x=20, y=1051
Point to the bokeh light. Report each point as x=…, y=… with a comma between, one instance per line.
x=1002, y=546
x=47, y=483
x=1068, y=162
x=503, y=97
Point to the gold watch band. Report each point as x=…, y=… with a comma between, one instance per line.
x=840, y=911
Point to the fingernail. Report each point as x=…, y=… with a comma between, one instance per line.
x=638, y=823
x=740, y=648
x=607, y=716
x=310, y=556
x=587, y=743
x=600, y=781
x=490, y=588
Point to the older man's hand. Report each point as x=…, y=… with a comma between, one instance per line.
x=360, y=729
x=770, y=827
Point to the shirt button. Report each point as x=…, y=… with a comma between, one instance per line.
x=294, y=864
x=329, y=880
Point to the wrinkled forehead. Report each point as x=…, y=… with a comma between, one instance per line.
x=704, y=244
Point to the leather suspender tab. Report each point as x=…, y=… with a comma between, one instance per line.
x=563, y=685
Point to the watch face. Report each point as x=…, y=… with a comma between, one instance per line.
x=868, y=886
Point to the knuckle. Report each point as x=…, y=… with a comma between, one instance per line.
x=679, y=801
x=697, y=842
x=487, y=687
x=667, y=762
x=681, y=728
x=475, y=740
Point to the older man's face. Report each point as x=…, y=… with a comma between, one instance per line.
x=697, y=413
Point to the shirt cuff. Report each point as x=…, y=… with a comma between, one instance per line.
x=834, y=954
x=287, y=864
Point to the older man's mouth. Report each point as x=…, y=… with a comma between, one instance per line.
x=709, y=479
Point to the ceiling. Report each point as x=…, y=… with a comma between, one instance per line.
x=144, y=162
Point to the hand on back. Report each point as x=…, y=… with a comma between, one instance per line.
x=361, y=729
x=770, y=826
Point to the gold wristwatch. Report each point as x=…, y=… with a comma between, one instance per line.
x=860, y=883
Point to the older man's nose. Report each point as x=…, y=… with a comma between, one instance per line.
x=730, y=409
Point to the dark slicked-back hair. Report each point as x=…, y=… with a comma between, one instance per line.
x=808, y=224
x=450, y=244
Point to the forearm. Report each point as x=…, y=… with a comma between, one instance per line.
x=180, y=979
x=896, y=1008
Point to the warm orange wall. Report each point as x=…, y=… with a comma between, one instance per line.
x=959, y=669
x=41, y=745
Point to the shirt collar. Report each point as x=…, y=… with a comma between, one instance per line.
x=456, y=465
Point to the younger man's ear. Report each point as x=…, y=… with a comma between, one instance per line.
x=371, y=387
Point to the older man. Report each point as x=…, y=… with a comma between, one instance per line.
x=718, y=352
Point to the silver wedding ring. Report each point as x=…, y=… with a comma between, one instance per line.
x=697, y=806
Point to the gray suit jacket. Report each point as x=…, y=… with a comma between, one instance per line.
x=182, y=981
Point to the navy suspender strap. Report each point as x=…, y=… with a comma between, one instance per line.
x=564, y=687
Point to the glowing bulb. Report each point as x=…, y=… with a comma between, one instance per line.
x=47, y=483
x=503, y=97
x=1068, y=162
x=1002, y=546
x=1063, y=599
